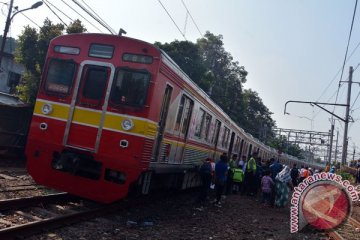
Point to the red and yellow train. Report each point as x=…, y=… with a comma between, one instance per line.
x=115, y=114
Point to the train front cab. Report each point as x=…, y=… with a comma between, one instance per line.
x=92, y=132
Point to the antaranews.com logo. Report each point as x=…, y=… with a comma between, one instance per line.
x=323, y=200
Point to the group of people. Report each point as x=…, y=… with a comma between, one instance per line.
x=247, y=176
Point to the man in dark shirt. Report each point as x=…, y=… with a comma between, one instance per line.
x=294, y=175
x=221, y=170
x=275, y=168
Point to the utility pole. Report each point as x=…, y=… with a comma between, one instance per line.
x=345, y=142
x=336, y=145
x=6, y=30
x=331, y=139
x=354, y=154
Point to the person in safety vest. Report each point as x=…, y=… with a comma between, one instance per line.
x=238, y=179
x=232, y=166
x=250, y=172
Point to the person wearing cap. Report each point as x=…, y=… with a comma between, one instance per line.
x=332, y=169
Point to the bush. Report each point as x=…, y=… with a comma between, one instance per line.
x=346, y=176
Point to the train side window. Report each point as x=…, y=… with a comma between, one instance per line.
x=179, y=114
x=187, y=114
x=200, y=123
x=216, y=132
x=226, y=135
x=59, y=76
x=130, y=88
x=207, y=126
x=183, y=115
x=237, y=144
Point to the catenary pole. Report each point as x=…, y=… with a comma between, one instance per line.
x=6, y=30
x=331, y=139
x=345, y=141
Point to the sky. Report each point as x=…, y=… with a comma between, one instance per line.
x=293, y=50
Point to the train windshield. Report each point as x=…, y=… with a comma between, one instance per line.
x=130, y=88
x=60, y=76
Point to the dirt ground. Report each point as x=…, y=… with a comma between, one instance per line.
x=239, y=217
x=178, y=216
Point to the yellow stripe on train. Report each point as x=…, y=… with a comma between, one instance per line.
x=141, y=127
x=91, y=117
x=59, y=111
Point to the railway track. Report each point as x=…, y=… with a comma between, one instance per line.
x=348, y=231
x=28, y=216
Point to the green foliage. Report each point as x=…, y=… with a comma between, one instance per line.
x=281, y=144
x=26, y=50
x=47, y=32
x=346, y=176
x=31, y=51
x=75, y=27
x=211, y=67
x=28, y=89
x=257, y=116
x=186, y=55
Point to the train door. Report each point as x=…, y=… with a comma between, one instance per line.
x=231, y=144
x=215, y=137
x=163, y=116
x=182, y=127
x=88, y=106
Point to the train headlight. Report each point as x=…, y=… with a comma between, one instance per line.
x=127, y=124
x=47, y=108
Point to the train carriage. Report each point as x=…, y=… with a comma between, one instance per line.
x=115, y=113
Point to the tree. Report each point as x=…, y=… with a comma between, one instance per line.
x=47, y=32
x=255, y=115
x=31, y=51
x=76, y=27
x=186, y=55
x=280, y=143
x=210, y=66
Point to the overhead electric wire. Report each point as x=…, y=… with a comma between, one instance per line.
x=192, y=18
x=351, y=109
x=82, y=16
x=351, y=54
x=58, y=10
x=95, y=18
x=172, y=19
x=97, y=15
x=55, y=13
x=343, y=66
x=347, y=47
x=30, y=20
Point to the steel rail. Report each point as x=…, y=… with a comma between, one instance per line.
x=15, y=203
x=39, y=226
